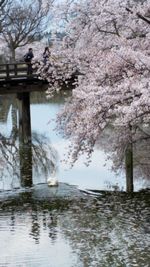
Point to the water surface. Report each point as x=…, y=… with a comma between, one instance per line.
x=62, y=226
x=98, y=175
x=112, y=230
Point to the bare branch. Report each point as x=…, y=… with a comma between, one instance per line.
x=138, y=15
x=24, y=22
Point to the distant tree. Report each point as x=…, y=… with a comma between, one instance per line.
x=4, y=6
x=25, y=21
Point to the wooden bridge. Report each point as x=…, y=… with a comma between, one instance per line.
x=14, y=76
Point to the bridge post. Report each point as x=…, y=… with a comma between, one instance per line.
x=25, y=143
x=15, y=69
x=7, y=71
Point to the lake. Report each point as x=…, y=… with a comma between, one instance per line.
x=63, y=226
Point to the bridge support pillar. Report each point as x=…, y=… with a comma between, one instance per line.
x=25, y=142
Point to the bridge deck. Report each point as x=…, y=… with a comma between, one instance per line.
x=13, y=71
x=15, y=74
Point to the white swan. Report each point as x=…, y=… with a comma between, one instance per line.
x=52, y=181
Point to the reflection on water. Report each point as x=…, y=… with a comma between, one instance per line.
x=48, y=151
x=61, y=227
x=112, y=230
x=19, y=156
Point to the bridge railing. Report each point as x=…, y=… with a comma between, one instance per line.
x=14, y=70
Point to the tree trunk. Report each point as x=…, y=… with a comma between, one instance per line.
x=129, y=168
x=13, y=55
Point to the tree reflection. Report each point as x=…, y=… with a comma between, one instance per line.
x=13, y=221
x=52, y=225
x=44, y=157
x=35, y=227
x=39, y=217
x=21, y=152
x=111, y=230
x=108, y=231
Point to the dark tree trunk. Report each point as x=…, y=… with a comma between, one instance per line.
x=129, y=168
x=13, y=55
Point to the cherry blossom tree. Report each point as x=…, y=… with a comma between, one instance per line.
x=107, y=44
